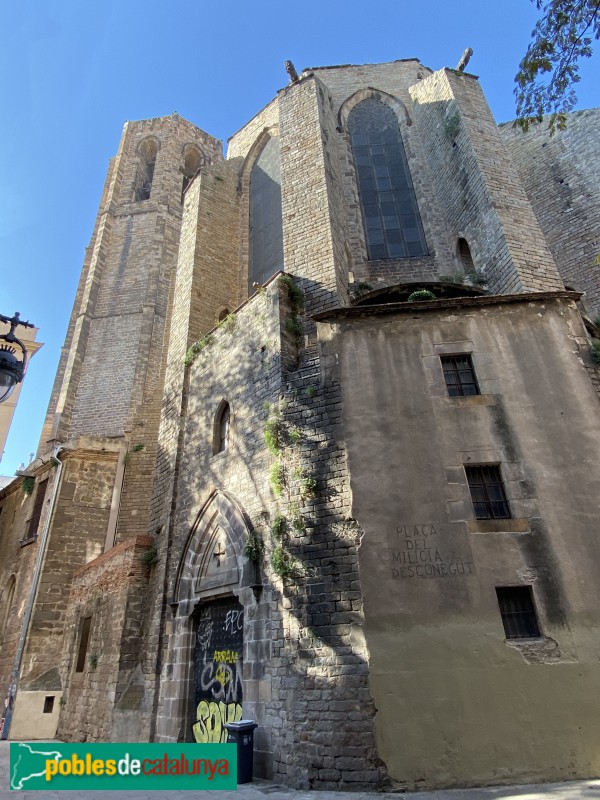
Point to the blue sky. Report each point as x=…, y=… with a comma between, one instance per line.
x=74, y=72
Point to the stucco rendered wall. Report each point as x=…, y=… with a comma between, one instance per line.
x=457, y=703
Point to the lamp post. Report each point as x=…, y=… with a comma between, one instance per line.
x=12, y=367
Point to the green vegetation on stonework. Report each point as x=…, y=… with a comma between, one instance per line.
x=420, y=295
x=452, y=126
x=254, y=548
x=278, y=527
x=308, y=486
x=228, y=323
x=273, y=435
x=596, y=351
x=284, y=565
x=150, y=557
x=277, y=479
x=137, y=447
x=294, y=292
x=28, y=484
x=293, y=326
x=197, y=348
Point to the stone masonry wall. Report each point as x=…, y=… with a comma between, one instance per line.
x=561, y=175
x=305, y=661
x=479, y=187
x=112, y=591
x=16, y=560
x=78, y=531
x=346, y=86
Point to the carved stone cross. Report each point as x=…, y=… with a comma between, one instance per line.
x=220, y=551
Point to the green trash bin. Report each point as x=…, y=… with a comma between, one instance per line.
x=242, y=734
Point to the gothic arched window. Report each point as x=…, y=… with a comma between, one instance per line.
x=221, y=429
x=266, y=231
x=387, y=198
x=466, y=259
x=193, y=160
x=148, y=150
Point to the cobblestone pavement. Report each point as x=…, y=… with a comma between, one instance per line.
x=264, y=790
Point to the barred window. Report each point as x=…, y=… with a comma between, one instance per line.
x=387, y=198
x=518, y=612
x=487, y=492
x=459, y=375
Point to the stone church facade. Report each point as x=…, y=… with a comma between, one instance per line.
x=274, y=483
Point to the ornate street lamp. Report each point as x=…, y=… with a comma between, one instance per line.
x=12, y=365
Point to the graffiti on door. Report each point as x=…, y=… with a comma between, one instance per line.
x=218, y=662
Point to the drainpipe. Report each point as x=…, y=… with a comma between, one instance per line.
x=37, y=571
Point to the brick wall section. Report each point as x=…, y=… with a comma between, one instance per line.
x=561, y=176
x=112, y=590
x=479, y=186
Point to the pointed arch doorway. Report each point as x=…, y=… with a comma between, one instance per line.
x=203, y=686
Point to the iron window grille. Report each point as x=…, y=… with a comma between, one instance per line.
x=518, y=612
x=487, y=492
x=459, y=375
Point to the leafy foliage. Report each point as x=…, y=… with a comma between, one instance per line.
x=421, y=294
x=28, y=484
x=273, y=433
x=283, y=563
x=254, y=548
x=150, y=557
x=277, y=479
x=550, y=67
x=278, y=527
x=197, y=348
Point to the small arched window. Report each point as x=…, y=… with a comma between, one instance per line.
x=193, y=161
x=222, y=314
x=266, y=230
x=148, y=150
x=387, y=198
x=222, y=428
x=464, y=254
x=7, y=600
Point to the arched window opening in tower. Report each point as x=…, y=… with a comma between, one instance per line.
x=266, y=231
x=387, y=198
x=145, y=172
x=193, y=161
x=466, y=259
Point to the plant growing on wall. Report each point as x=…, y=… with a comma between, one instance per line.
x=277, y=479
x=197, y=348
x=228, y=323
x=28, y=484
x=150, y=557
x=283, y=563
x=273, y=435
x=420, y=295
x=254, y=548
